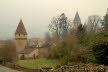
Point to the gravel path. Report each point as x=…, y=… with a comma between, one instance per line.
x=5, y=69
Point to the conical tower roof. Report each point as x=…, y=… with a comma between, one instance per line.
x=21, y=29
x=77, y=18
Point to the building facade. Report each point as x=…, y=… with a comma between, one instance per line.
x=20, y=37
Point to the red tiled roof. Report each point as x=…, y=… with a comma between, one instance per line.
x=21, y=29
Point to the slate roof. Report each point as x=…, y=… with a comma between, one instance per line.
x=21, y=29
x=77, y=18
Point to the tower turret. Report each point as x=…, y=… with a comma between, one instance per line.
x=76, y=21
x=20, y=36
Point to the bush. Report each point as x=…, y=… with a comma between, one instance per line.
x=100, y=48
x=2, y=60
x=69, y=50
x=8, y=51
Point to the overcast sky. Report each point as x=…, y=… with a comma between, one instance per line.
x=37, y=14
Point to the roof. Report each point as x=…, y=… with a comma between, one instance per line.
x=27, y=50
x=21, y=29
x=35, y=42
x=77, y=17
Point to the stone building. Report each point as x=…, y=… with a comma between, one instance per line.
x=28, y=53
x=28, y=48
x=20, y=37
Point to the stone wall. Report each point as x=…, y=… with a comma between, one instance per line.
x=76, y=68
x=84, y=68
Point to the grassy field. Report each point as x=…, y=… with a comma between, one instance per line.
x=38, y=63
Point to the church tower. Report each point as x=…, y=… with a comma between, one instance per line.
x=76, y=21
x=20, y=37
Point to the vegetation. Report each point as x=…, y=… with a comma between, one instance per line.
x=59, y=26
x=2, y=60
x=80, y=44
x=93, y=23
x=105, y=22
x=88, y=43
x=38, y=63
x=85, y=44
x=69, y=50
x=8, y=51
x=100, y=48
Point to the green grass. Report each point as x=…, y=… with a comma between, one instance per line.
x=38, y=63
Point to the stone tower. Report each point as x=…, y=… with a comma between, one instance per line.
x=76, y=21
x=20, y=37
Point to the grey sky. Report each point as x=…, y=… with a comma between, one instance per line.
x=37, y=14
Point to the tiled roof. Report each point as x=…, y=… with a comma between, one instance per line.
x=36, y=42
x=21, y=29
x=27, y=50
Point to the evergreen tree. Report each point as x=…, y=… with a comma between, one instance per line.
x=105, y=22
x=100, y=48
x=81, y=34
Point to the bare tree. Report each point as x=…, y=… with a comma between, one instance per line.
x=63, y=24
x=93, y=23
x=54, y=26
x=59, y=26
x=8, y=51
